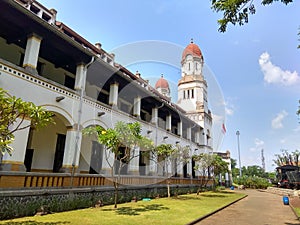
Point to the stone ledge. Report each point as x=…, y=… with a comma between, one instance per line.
x=284, y=191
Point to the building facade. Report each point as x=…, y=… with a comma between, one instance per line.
x=44, y=61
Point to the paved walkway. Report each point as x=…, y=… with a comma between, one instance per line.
x=259, y=208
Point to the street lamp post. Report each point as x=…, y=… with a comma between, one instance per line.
x=238, y=142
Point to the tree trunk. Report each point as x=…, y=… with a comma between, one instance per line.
x=168, y=186
x=116, y=195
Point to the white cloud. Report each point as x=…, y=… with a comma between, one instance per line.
x=229, y=111
x=277, y=121
x=274, y=74
x=229, y=108
x=258, y=145
x=282, y=141
x=218, y=118
x=297, y=129
x=258, y=142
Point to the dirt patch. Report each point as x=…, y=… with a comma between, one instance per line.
x=295, y=202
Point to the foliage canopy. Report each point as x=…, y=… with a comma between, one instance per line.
x=237, y=11
x=13, y=112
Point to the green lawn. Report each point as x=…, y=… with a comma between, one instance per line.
x=297, y=211
x=180, y=210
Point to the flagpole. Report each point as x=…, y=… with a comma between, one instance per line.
x=238, y=142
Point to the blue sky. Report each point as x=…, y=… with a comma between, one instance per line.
x=257, y=65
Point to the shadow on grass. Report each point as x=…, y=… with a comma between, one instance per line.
x=180, y=197
x=34, y=223
x=218, y=194
x=135, y=211
x=225, y=192
x=213, y=196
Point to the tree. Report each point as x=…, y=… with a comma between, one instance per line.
x=234, y=171
x=219, y=165
x=121, y=143
x=233, y=163
x=253, y=171
x=167, y=154
x=170, y=157
x=207, y=165
x=237, y=11
x=13, y=112
x=203, y=165
x=286, y=158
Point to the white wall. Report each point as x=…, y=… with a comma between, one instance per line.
x=44, y=144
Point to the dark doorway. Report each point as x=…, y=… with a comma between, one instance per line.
x=28, y=159
x=175, y=168
x=185, y=170
x=59, y=152
x=96, y=158
x=124, y=165
x=193, y=170
x=142, y=163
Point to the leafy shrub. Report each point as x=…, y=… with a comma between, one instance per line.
x=253, y=182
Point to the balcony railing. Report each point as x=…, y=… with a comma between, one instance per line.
x=10, y=180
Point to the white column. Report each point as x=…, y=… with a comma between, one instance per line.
x=153, y=164
x=202, y=137
x=80, y=77
x=198, y=137
x=107, y=161
x=189, y=168
x=113, y=94
x=227, y=183
x=137, y=106
x=189, y=133
x=169, y=122
x=72, y=149
x=32, y=52
x=15, y=162
x=133, y=167
x=179, y=165
x=154, y=115
x=179, y=128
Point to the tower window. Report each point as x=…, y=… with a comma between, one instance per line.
x=183, y=94
x=189, y=66
x=192, y=93
x=188, y=93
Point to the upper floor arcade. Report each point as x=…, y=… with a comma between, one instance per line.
x=49, y=50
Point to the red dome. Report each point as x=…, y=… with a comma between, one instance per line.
x=192, y=49
x=162, y=83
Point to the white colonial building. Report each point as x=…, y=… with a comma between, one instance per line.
x=44, y=61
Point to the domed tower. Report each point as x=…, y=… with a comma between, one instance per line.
x=192, y=60
x=192, y=88
x=162, y=86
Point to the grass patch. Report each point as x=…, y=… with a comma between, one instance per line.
x=297, y=211
x=178, y=210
